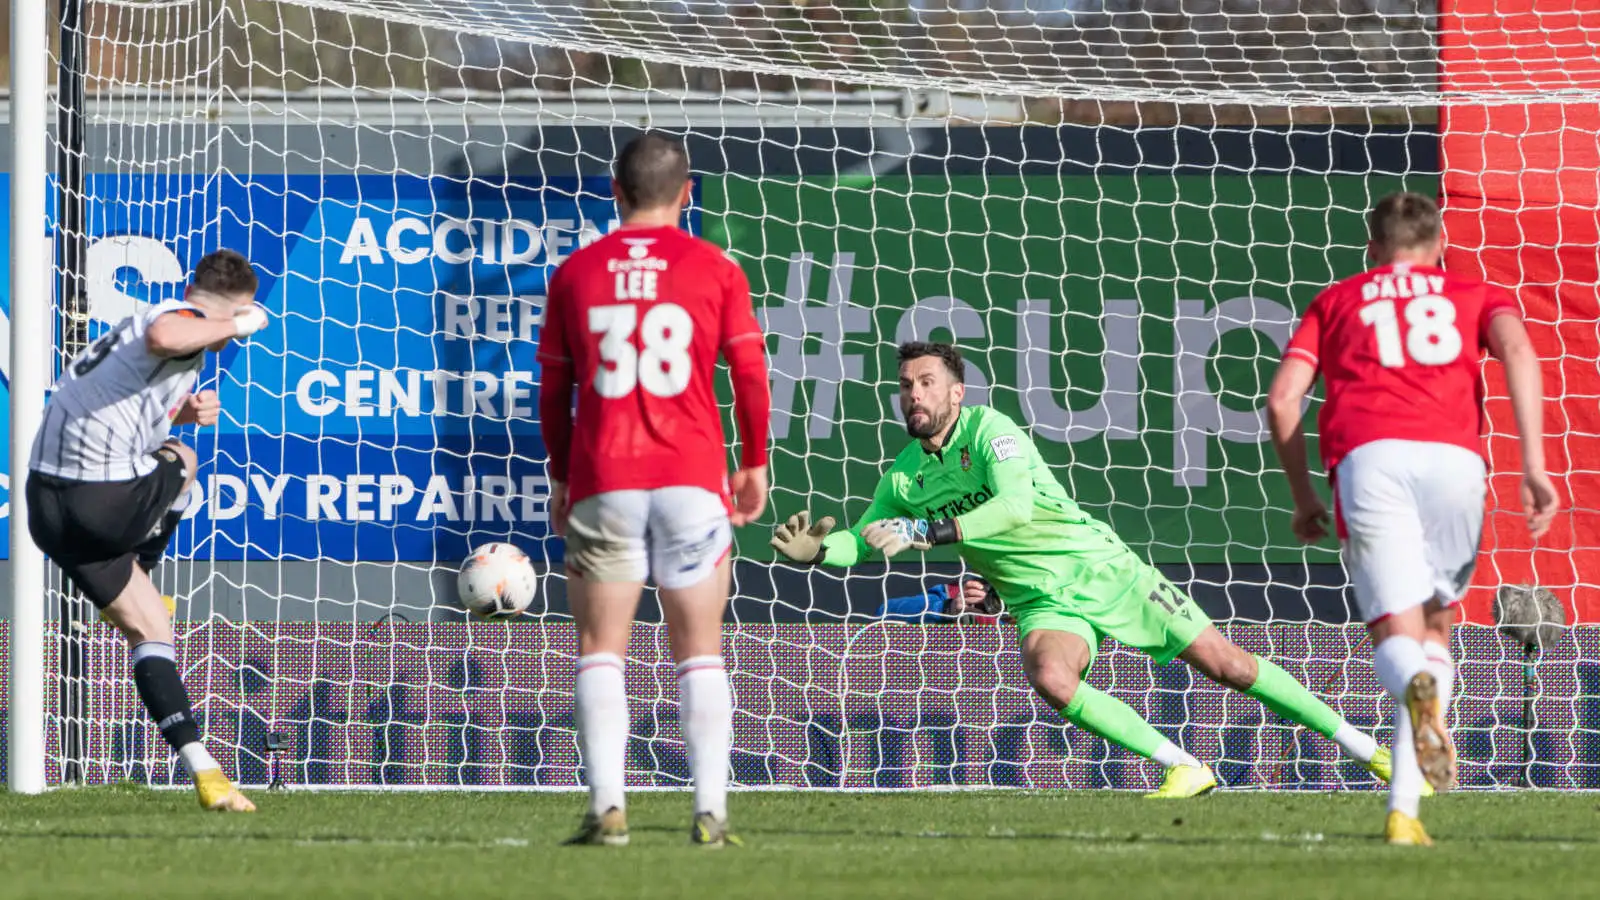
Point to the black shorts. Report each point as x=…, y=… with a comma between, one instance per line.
x=95, y=530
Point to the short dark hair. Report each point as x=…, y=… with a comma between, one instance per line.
x=225, y=272
x=918, y=349
x=1404, y=220
x=651, y=170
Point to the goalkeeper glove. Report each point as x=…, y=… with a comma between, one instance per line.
x=892, y=536
x=800, y=540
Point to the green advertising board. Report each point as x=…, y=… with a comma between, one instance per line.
x=1132, y=323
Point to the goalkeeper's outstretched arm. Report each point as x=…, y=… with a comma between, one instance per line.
x=818, y=544
x=887, y=527
x=1009, y=507
x=848, y=547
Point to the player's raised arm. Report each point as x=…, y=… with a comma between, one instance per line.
x=556, y=380
x=1285, y=405
x=744, y=347
x=187, y=330
x=1508, y=341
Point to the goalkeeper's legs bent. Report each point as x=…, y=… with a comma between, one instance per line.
x=1055, y=662
x=1224, y=662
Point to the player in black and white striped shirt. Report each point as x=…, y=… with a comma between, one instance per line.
x=108, y=484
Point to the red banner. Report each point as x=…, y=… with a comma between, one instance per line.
x=1521, y=189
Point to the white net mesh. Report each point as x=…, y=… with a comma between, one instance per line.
x=1116, y=209
x=1369, y=53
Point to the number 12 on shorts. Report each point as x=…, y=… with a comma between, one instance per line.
x=661, y=369
x=1431, y=335
x=1169, y=600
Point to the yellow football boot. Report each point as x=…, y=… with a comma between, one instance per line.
x=217, y=793
x=1381, y=765
x=709, y=831
x=1183, y=782
x=1402, y=830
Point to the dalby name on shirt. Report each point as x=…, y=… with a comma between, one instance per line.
x=1396, y=285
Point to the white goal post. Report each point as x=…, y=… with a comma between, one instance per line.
x=28, y=375
x=1117, y=210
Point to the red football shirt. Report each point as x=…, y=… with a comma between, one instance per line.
x=639, y=318
x=1399, y=349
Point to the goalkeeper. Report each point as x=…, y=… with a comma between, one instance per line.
x=974, y=479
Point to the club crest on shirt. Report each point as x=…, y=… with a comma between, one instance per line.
x=966, y=459
x=919, y=479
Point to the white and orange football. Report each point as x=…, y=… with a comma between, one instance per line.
x=497, y=581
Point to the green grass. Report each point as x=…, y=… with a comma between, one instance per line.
x=127, y=842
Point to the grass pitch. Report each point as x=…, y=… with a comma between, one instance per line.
x=128, y=842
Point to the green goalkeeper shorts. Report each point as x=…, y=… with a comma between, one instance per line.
x=1129, y=601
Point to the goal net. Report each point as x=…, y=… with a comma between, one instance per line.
x=1116, y=209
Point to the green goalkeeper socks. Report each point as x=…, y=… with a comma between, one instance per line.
x=1288, y=698
x=1100, y=713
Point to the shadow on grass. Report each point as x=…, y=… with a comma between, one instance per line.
x=249, y=837
x=1100, y=838
x=1144, y=837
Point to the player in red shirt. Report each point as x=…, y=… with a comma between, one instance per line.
x=1400, y=349
x=639, y=480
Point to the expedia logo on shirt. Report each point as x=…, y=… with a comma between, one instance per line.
x=962, y=504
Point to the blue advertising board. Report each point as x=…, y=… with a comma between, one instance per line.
x=388, y=413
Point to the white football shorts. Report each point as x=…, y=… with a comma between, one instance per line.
x=677, y=535
x=1411, y=518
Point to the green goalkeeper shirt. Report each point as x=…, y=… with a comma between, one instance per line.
x=1019, y=529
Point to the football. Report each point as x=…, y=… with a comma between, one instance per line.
x=496, y=581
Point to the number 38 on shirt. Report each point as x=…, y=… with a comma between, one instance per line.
x=633, y=324
x=659, y=365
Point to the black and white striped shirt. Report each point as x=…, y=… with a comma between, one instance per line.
x=114, y=404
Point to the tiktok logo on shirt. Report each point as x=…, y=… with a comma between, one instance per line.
x=964, y=503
